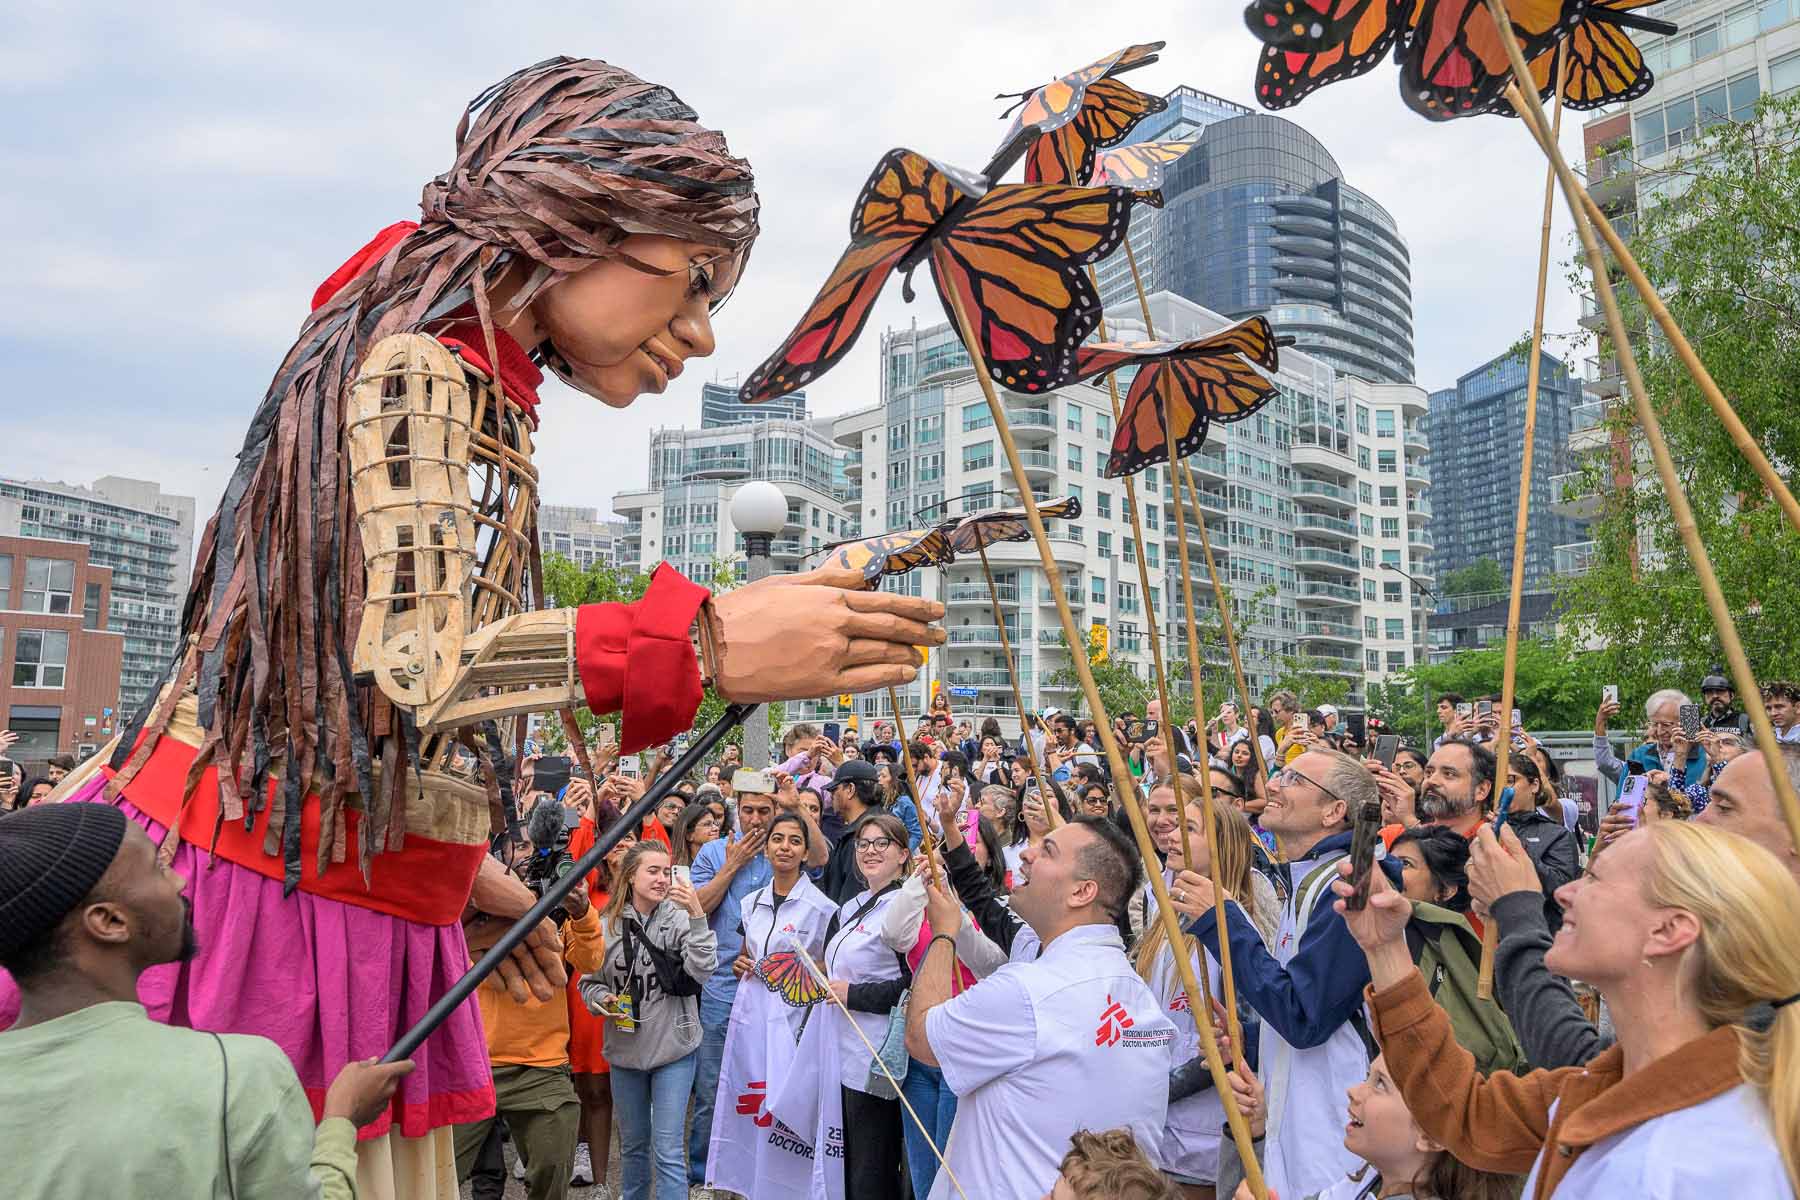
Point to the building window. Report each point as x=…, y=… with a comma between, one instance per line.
x=1097, y=589
x=1367, y=525
x=1390, y=528
x=1072, y=416
x=1396, y=628
x=930, y=467
x=1390, y=497
x=40, y=658
x=976, y=416
x=1388, y=461
x=1130, y=551
x=1366, y=493
x=49, y=585
x=1103, y=543
x=90, y=607
x=1150, y=554
x=1372, y=659
x=1075, y=533
x=1391, y=592
x=5, y=580
x=1362, y=420
x=1362, y=457
x=1103, y=427
x=978, y=456
x=1104, y=502
x=1371, y=628
x=1074, y=450
x=1384, y=422
x=897, y=437
x=1396, y=660
x=1368, y=589
x=1368, y=555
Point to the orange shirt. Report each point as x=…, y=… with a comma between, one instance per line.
x=1390, y=832
x=536, y=1033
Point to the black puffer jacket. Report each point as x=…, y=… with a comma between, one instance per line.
x=1553, y=851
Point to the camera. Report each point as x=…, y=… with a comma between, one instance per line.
x=548, y=829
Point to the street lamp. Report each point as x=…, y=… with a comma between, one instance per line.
x=758, y=511
x=1424, y=644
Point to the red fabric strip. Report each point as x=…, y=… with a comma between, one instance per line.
x=638, y=659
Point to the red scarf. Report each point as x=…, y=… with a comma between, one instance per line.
x=519, y=376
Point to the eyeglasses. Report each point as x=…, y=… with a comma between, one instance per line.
x=1288, y=775
x=874, y=845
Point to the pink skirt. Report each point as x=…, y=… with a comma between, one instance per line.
x=326, y=981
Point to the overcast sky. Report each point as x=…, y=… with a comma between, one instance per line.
x=182, y=175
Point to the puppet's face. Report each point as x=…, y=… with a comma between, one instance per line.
x=615, y=331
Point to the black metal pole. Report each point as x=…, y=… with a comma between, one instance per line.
x=653, y=795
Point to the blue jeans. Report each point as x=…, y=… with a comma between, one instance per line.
x=932, y=1099
x=715, y=1017
x=649, y=1107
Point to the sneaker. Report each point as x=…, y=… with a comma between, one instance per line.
x=582, y=1175
x=700, y=1191
x=519, y=1167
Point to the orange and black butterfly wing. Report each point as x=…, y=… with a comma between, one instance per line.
x=783, y=973
x=1017, y=262
x=1109, y=111
x=889, y=554
x=1286, y=75
x=1454, y=64
x=1060, y=101
x=899, y=203
x=1141, y=441
x=979, y=530
x=1604, y=64
x=1317, y=25
x=1141, y=166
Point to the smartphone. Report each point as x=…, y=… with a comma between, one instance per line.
x=571, y=818
x=749, y=779
x=1298, y=724
x=682, y=873
x=628, y=767
x=833, y=730
x=1517, y=723
x=551, y=774
x=1484, y=708
x=1465, y=710
x=1690, y=721
x=1386, y=746
x=609, y=734
x=1365, y=843
x=1609, y=694
x=1631, y=795
x=1151, y=728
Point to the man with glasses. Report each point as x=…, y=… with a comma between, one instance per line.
x=1662, y=713
x=1308, y=991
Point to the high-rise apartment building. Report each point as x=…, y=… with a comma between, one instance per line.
x=720, y=407
x=579, y=535
x=1308, y=503
x=145, y=536
x=1258, y=218
x=59, y=661
x=684, y=515
x=1477, y=451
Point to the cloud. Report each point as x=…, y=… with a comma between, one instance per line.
x=184, y=175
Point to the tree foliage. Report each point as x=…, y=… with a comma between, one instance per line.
x=1479, y=577
x=1556, y=686
x=1724, y=253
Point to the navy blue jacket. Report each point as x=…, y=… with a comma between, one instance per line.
x=1322, y=985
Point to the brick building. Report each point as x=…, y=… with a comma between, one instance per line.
x=59, y=663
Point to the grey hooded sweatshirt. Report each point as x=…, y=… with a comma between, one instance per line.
x=667, y=1026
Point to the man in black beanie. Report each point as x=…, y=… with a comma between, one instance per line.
x=85, y=908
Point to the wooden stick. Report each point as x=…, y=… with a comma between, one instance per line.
x=913, y=783
x=1490, y=932
x=1184, y=963
x=1052, y=813
x=1156, y=655
x=1209, y=814
x=1523, y=97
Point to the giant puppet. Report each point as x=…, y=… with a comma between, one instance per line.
x=363, y=601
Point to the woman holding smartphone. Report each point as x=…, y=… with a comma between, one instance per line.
x=659, y=950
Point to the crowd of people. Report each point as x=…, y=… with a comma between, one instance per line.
x=854, y=974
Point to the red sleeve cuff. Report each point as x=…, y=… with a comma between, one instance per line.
x=638, y=660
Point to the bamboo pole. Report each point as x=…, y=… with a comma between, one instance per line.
x=1522, y=95
x=1156, y=655
x=912, y=782
x=1184, y=963
x=1052, y=815
x=1509, y=669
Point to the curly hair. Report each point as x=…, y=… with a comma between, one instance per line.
x=1111, y=1166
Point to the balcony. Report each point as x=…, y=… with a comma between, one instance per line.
x=1418, y=535
x=1329, y=559
x=1327, y=593
x=1571, y=496
x=1034, y=425
x=1051, y=636
x=1417, y=475
x=1330, y=631
x=1038, y=462
x=1334, y=664
x=975, y=635
x=1320, y=523
x=1206, y=466
x=1330, y=493
x=1324, y=459
x=1612, y=178
x=977, y=593
x=979, y=679
x=1575, y=558
x=1414, y=439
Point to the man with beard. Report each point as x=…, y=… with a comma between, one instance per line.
x=1459, y=784
x=85, y=909
x=1721, y=710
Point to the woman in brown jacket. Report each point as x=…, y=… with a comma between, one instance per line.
x=1687, y=932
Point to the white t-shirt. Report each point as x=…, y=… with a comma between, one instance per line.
x=1073, y=1040
x=856, y=954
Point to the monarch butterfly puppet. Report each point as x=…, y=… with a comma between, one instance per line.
x=1140, y=167
x=1081, y=112
x=979, y=530
x=786, y=974
x=1195, y=382
x=1014, y=253
x=891, y=553
x=1452, y=62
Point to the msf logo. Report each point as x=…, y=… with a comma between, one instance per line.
x=750, y=1104
x=1114, y=1021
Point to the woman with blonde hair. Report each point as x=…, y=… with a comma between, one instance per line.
x=1687, y=933
x=1189, y=1152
